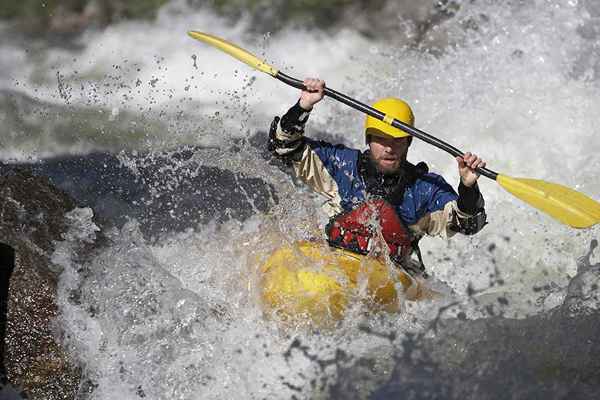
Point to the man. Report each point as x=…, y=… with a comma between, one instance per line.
x=377, y=196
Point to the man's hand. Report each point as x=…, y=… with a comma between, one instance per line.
x=466, y=168
x=314, y=94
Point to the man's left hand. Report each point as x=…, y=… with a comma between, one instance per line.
x=467, y=164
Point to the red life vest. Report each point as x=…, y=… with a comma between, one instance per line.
x=354, y=230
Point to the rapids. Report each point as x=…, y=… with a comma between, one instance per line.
x=164, y=139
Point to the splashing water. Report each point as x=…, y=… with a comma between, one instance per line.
x=174, y=312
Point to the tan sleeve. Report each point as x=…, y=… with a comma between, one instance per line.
x=310, y=170
x=438, y=223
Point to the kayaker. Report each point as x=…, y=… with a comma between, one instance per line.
x=376, y=195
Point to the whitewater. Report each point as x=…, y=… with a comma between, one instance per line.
x=164, y=138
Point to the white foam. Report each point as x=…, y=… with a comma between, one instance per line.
x=180, y=319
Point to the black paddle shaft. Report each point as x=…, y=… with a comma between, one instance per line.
x=357, y=105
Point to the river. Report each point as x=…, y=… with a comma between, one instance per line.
x=163, y=138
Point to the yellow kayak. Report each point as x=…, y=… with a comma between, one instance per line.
x=312, y=282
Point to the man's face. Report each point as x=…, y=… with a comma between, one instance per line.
x=388, y=153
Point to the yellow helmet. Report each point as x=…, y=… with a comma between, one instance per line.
x=395, y=108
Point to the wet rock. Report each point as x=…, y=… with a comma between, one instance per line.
x=31, y=219
x=164, y=192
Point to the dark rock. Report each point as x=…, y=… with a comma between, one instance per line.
x=163, y=195
x=7, y=266
x=31, y=219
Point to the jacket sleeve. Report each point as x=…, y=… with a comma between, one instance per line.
x=319, y=164
x=445, y=213
x=286, y=136
x=470, y=217
x=470, y=199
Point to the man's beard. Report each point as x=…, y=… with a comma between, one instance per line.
x=387, y=170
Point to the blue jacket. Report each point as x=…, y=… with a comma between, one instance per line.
x=426, y=194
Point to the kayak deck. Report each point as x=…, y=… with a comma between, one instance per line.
x=313, y=282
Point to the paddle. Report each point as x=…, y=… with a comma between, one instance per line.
x=566, y=205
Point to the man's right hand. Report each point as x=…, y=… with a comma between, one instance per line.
x=314, y=93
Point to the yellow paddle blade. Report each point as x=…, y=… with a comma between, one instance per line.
x=234, y=51
x=566, y=205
